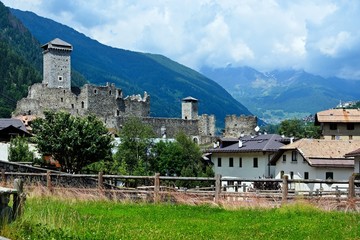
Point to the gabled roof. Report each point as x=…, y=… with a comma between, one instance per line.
x=260, y=143
x=319, y=152
x=338, y=116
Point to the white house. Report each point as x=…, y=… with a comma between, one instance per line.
x=315, y=159
x=247, y=157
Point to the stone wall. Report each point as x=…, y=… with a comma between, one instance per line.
x=235, y=126
x=206, y=125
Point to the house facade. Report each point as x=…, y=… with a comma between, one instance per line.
x=315, y=159
x=339, y=124
x=246, y=157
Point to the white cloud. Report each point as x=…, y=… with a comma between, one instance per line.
x=267, y=34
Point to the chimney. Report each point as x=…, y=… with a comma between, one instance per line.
x=240, y=144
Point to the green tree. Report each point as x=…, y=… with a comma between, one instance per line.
x=299, y=129
x=182, y=158
x=133, y=153
x=73, y=141
x=19, y=150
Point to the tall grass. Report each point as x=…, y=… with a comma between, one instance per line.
x=62, y=216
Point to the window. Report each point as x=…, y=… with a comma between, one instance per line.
x=219, y=162
x=60, y=78
x=61, y=99
x=306, y=175
x=282, y=174
x=350, y=137
x=284, y=158
x=294, y=156
x=72, y=106
x=329, y=175
x=255, y=162
x=350, y=126
x=82, y=104
x=291, y=175
x=109, y=92
x=95, y=91
x=240, y=162
x=333, y=126
x=231, y=162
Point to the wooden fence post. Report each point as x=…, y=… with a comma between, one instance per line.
x=48, y=180
x=100, y=181
x=19, y=198
x=217, y=187
x=351, y=193
x=157, y=187
x=285, y=189
x=3, y=176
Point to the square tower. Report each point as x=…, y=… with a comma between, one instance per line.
x=57, y=67
x=189, y=108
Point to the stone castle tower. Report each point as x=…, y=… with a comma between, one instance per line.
x=56, y=62
x=189, y=108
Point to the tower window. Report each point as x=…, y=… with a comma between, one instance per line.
x=95, y=91
x=62, y=99
x=60, y=78
x=82, y=105
x=110, y=92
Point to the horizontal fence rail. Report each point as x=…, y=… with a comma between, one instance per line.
x=216, y=188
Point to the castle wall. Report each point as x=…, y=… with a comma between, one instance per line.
x=207, y=125
x=235, y=126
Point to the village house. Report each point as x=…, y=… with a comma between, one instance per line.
x=339, y=124
x=315, y=159
x=246, y=157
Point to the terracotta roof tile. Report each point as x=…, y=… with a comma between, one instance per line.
x=338, y=115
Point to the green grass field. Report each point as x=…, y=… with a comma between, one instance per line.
x=50, y=218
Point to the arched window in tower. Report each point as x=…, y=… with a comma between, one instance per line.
x=117, y=112
x=82, y=104
x=109, y=92
x=95, y=91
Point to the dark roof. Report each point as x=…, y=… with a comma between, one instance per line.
x=189, y=99
x=259, y=143
x=354, y=153
x=16, y=123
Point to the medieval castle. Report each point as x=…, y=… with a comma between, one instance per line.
x=109, y=104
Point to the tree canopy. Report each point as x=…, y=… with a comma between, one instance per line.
x=19, y=150
x=299, y=129
x=74, y=142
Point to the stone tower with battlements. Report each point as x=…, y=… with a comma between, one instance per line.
x=56, y=62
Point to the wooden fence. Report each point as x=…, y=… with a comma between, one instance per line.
x=154, y=188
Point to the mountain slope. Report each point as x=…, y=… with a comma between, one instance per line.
x=277, y=95
x=19, y=63
x=166, y=81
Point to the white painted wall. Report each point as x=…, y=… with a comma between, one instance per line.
x=299, y=168
x=357, y=164
x=247, y=170
x=4, y=151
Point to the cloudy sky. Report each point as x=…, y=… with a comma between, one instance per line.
x=319, y=36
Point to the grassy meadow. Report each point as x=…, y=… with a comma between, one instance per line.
x=49, y=217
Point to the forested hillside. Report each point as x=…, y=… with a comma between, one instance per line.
x=19, y=61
